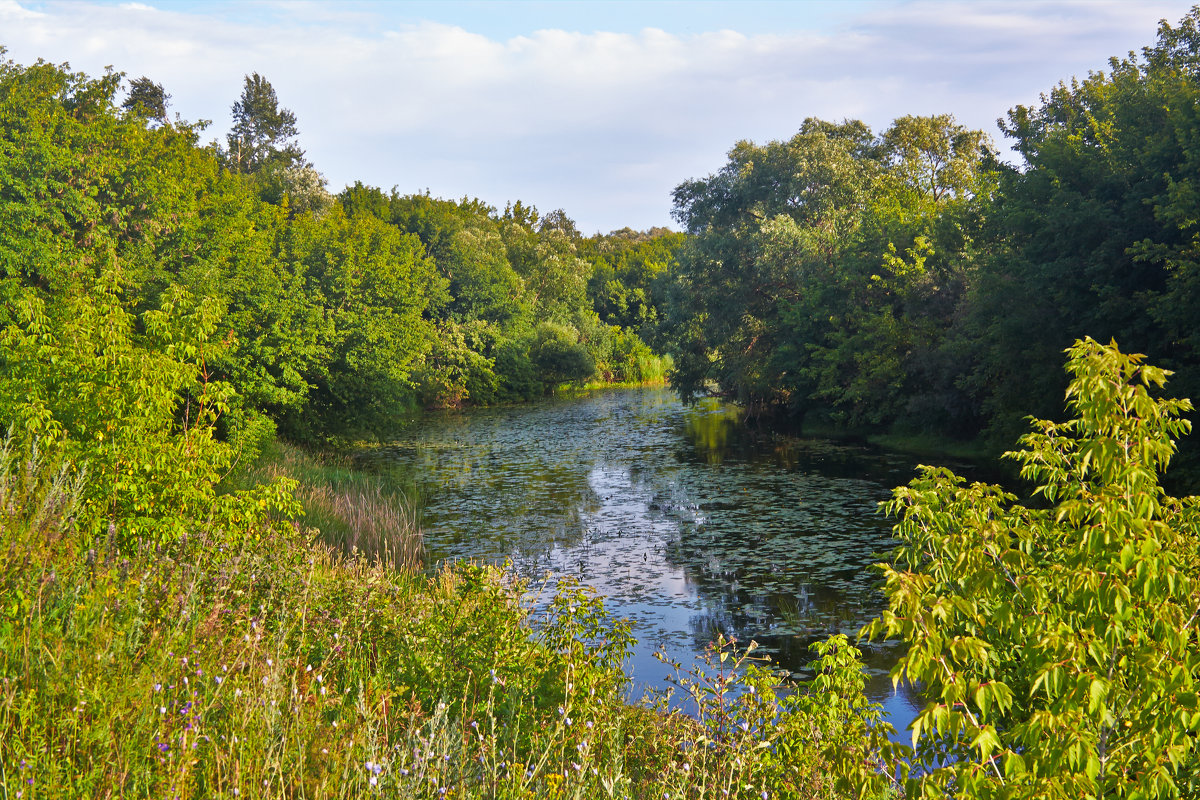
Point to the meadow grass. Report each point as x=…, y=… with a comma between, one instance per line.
x=285, y=668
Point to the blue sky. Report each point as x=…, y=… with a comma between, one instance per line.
x=503, y=20
x=597, y=108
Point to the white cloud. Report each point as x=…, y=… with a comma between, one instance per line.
x=602, y=124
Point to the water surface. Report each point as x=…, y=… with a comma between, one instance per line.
x=689, y=522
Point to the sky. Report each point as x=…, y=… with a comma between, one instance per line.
x=598, y=108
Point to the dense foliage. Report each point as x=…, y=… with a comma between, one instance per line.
x=326, y=317
x=910, y=281
x=1057, y=644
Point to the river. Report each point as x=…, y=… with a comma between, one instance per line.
x=689, y=522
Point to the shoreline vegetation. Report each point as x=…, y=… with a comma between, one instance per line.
x=281, y=667
x=172, y=625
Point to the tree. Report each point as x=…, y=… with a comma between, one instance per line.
x=935, y=156
x=147, y=99
x=262, y=133
x=1057, y=645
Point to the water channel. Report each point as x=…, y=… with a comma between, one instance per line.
x=689, y=522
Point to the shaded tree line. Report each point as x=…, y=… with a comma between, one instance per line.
x=320, y=316
x=911, y=281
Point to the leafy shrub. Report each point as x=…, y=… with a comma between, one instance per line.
x=136, y=410
x=1057, y=644
x=516, y=372
x=558, y=356
x=455, y=370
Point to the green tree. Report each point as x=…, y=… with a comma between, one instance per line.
x=262, y=132
x=1096, y=234
x=374, y=284
x=147, y=99
x=733, y=280
x=559, y=357
x=1058, y=644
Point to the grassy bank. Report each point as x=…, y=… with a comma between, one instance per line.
x=358, y=512
x=282, y=668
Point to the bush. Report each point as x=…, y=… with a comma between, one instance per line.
x=1057, y=644
x=559, y=357
x=135, y=410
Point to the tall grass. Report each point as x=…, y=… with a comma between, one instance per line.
x=356, y=511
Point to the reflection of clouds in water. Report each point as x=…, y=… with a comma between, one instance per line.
x=689, y=522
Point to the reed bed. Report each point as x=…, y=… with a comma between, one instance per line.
x=356, y=511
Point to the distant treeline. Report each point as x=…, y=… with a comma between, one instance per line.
x=913, y=282
x=323, y=316
x=909, y=281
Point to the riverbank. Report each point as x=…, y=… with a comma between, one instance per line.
x=281, y=668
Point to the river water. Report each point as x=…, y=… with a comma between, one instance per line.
x=689, y=522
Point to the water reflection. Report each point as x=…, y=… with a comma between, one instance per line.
x=691, y=523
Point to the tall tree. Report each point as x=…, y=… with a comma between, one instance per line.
x=147, y=99
x=263, y=133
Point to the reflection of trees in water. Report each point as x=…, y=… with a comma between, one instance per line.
x=492, y=486
x=717, y=434
x=784, y=625
x=710, y=426
x=767, y=536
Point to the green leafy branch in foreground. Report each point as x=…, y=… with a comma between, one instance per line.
x=1058, y=645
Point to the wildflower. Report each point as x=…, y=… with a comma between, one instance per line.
x=308, y=668
x=373, y=781
x=162, y=709
x=158, y=687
